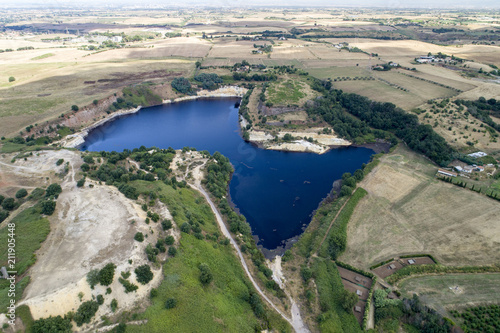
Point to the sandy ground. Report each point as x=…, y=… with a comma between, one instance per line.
x=321, y=145
x=90, y=228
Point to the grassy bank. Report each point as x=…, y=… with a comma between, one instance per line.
x=31, y=230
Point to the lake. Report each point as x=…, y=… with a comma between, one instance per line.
x=276, y=191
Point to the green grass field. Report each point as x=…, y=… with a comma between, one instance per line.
x=286, y=92
x=473, y=290
x=31, y=230
x=221, y=306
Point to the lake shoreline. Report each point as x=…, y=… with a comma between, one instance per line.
x=78, y=139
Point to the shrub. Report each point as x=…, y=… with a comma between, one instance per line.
x=21, y=193
x=139, y=237
x=306, y=273
x=3, y=215
x=12, y=79
x=143, y=274
x=206, y=275
x=153, y=293
x=36, y=194
x=52, y=324
x=186, y=227
x=60, y=161
x=166, y=224
x=114, y=304
x=170, y=303
x=74, y=107
x=48, y=207
x=100, y=299
x=8, y=204
x=53, y=190
x=129, y=287
x=172, y=251
x=169, y=240
x=80, y=183
x=85, y=312
x=93, y=278
x=106, y=274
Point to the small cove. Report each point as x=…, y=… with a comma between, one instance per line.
x=276, y=191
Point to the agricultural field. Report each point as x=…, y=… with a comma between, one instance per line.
x=455, y=225
x=454, y=291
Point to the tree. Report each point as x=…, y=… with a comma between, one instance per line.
x=139, y=237
x=74, y=107
x=106, y=274
x=53, y=190
x=12, y=79
x=93, y=278
x=170, y=303
x=169, y=240
x=80, y=182
x=348, y=300
x=172, y=251
x=206, y=275
x=52, y=324
x=186, y=227
x=85, y=312
x=48, y=207
x=143, y=274
x=114, y=304
x=100, y=299
x=3, y=215
x=8, y=204
x=21, y=193
x=166, y=224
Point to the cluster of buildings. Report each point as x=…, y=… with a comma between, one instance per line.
x=99, y=39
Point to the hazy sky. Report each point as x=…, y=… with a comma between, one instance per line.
x=240, y=3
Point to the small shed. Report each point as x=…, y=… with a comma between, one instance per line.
x=3, y=273
x=411, y=262
x=357, y=279
x=392, y=266
x=357, y=308
x=359, y=292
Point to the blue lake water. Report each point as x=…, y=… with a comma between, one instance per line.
x=276, y=191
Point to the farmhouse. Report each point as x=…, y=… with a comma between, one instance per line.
x=446, y=173
x=425, y=59
x=478, y=154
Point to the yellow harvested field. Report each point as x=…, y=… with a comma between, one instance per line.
x=420, y=214
x=233, y=49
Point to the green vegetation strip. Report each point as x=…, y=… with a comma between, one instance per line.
x=31, y=230
x=337, y=237
x=333, y=317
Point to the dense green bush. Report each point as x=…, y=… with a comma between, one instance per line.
x=85, y=312
x=182, y=85
x=129, y=287
x=206, y=275
x=3, y=215
x=170, y=303
x=21, y=193
x=93, y=278
x=52, y=325
x=48, y=207
x=53, y=190
x=139, y=237
x=169, y=240
x=143, y=274
x=106, y=274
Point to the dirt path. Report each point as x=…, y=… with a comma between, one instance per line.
x=296, y=320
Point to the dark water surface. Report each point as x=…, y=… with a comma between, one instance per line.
x=276, y=191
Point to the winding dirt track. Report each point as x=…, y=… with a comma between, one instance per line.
x=296, y=320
